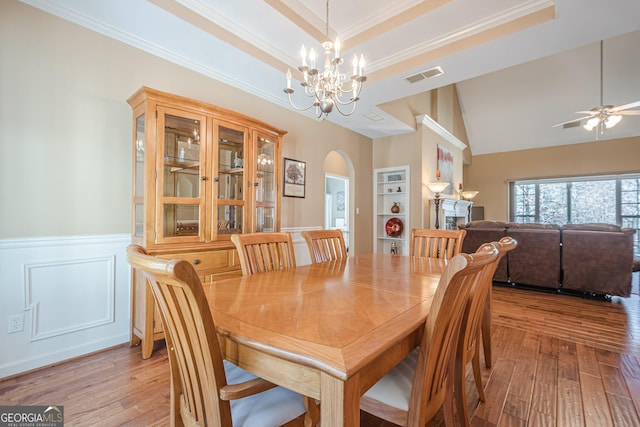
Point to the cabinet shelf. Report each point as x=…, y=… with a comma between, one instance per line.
x=397, y=239
x=176, y=165
x=402, y=181
x=232, y=171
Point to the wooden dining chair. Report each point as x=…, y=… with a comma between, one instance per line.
x=325, y=245
x=471, y=330
x=205, y=389
x=431, y=243
x=261, y=252
x=415, y=390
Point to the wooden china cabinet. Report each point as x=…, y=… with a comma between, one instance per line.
x=200, y=174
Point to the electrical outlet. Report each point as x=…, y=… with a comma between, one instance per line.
x=16, y=323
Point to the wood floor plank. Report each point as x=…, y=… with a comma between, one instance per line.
x=567, y=361
x=518, y=401
x=630, y=366
x=587, y=360
x=613, y=380
x=569, y=413
x=496, y=391
x=595, y=404
x=544, y=401
x=623, y=411
x=634, y=391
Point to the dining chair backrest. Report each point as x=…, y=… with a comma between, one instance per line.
x=470, y=330
x=325, y=245
x=200, y=394
x=262, y=252
x=197, y=368
x=438, y=346
x=431, y=243
x=431, y=387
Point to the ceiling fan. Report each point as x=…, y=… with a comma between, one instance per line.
x=604, y=116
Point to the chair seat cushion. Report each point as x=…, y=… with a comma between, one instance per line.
x=394, y=389
x=273, y=407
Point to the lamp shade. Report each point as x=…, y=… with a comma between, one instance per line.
x=612, y=120
x=468, y=195
x=438, y=186
x=591, y=123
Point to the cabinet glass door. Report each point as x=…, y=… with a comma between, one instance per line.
x=181, y=177
x=230, y=179
x=265, y=184
x=139, y=178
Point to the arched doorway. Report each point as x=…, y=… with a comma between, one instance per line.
x=339, y=195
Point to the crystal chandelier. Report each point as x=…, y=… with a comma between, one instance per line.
x=328, y=88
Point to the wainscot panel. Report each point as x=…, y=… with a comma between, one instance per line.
x=62, y=297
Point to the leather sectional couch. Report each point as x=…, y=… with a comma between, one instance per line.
x=585, y=258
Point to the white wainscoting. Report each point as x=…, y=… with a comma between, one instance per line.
x=72, y=294
x=299, y=245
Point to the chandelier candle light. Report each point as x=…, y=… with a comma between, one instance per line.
x=328, y=88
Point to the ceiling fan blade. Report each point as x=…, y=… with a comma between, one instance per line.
x=628, y=113
x=590, y=112
x=625, y=107
x=571, y=121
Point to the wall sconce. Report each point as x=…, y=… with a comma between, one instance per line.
x=437, y=188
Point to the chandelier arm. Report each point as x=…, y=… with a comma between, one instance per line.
x=299, y=108
x=337, y=105
x=351, y=100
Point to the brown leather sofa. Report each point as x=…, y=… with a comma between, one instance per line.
x=587, y=258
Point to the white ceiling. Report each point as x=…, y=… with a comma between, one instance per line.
x=520, y=66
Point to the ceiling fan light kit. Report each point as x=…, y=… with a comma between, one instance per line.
x=330, y=87
x=605, y=116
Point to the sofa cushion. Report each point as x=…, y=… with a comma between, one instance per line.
x=536, y=260
x=591, y=227
x=599, y=262
x=483, y=224
x=532, y=226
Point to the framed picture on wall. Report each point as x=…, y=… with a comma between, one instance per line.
x=294, y=178
x=445, y=166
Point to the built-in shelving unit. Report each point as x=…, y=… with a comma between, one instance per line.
x=391, y=186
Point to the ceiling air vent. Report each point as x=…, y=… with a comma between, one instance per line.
x=373, y=116
x=426, y=74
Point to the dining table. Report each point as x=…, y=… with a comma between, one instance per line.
x=330, y=330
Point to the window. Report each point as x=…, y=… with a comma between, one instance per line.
x=603, y=199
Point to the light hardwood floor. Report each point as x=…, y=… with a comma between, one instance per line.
x=558, y=360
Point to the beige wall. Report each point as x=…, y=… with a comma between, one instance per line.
x=65, y=130
x=490, y=173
